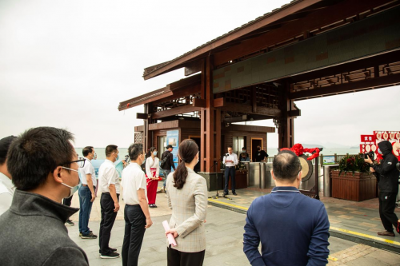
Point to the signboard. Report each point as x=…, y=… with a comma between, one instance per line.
x=329, y=159
x=370, y=142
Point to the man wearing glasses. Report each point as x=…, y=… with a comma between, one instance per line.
x=44, y=169
x=109, y=201
x=86, y=193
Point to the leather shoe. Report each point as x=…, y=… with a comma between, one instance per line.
x=385, y=233
x=224, y=194
x=234, y=193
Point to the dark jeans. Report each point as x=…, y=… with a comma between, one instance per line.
x=387, y=204
x=85, y=208
x=165, y=173
x=229, y=171
x=177, y=258
x=135, y=220
x=107, y=221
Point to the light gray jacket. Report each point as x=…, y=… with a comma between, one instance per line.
x=189, y=209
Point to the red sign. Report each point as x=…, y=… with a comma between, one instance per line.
x=367, y=138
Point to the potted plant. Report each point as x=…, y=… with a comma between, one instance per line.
x=353, y=164
x=353, y=181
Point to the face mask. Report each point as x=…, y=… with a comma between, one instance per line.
x=117, y=158
x=144, y=160
x=155, y=153
x=94, y=156
x=379, y=150
x=243, y=151
x=259, y=149
x=71, y=189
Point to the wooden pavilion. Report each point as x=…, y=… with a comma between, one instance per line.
x=305, y=49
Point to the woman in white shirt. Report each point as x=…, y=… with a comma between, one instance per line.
x=152, y=176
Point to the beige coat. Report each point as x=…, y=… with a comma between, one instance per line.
x=189, y=209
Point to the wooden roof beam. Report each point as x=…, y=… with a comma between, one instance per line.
x=175, y=111
x=282, y=13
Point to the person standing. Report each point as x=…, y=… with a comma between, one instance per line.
x=109, y=201
x=152, y=173
x=293, y=229
x=387, y=176
x=169, y=162
x=230, y=160
x=244, y=156
x=44, y=169
x=187, y=197
x=260, y=154
x=86, y=193
x=136, y=212
x=6, y=187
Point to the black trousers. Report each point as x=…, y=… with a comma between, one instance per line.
x=67, y=201
x=230, y=171
x=387, y=204
x=135, y=220
x=178, y=258
x=107, y=221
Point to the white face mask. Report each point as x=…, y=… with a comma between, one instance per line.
x=73, y=189
x=155, y=153
x=144, y=159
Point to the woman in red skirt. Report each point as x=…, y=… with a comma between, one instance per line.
x=152, y=176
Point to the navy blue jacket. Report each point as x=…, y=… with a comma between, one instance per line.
x=293, y=229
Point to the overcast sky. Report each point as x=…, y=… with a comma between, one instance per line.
x=68, y=64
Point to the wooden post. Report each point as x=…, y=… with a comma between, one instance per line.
x=286, y=123
x=210, y=122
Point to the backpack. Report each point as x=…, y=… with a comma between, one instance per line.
x=164, y=160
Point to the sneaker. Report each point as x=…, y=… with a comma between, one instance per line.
x=89, y=236
x=385, y=233
x=110, y=255
x=110, y=249
x=71, y=223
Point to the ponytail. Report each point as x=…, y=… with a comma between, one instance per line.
x=187, y=151
x=180, y=175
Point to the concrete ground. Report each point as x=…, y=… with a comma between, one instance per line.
x=224, y=232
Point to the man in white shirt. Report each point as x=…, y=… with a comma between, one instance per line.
x=6, y=186
x=109, y=201
x=230, y=160
x=136, y=213
x=86, y=193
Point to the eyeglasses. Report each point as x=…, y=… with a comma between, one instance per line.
x=80, y=162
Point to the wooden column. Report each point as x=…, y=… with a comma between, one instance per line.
x=146, y=129
x=286, y=122
x=210, y=123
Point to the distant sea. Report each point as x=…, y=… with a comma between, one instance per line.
x=271, y=152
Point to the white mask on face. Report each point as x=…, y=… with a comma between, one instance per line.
x=144, y=159
x=71, y=189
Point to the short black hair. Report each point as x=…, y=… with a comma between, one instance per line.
x=286, y=166
x=169, y=147
x=135, y=150
x=87, y=150
x=5, y=144
x=36, y=153
x=110, y=149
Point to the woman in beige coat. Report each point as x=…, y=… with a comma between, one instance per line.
x=187, y=197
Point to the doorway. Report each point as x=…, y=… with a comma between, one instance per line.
x=254, y=143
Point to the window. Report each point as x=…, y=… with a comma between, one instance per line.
x=238, y=144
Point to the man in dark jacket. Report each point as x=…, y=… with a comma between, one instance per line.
x=387, y=176
x=44, y=169
x=169, y=162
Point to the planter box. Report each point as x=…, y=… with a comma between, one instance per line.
x=357, y=187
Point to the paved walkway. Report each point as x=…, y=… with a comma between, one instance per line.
x=224, y=232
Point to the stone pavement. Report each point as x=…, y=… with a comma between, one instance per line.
x=355, y=221
x=224, y=232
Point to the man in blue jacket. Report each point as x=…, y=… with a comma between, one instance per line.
x=293, y=229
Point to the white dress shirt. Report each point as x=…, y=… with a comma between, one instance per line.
x=233, y=157
x=133, y=179
x=6, y=193
x=150, y=163
x=88, y=169
x=108, y=175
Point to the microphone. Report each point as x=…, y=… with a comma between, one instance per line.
x=227, y=154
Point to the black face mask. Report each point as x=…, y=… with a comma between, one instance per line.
x=259, y=149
